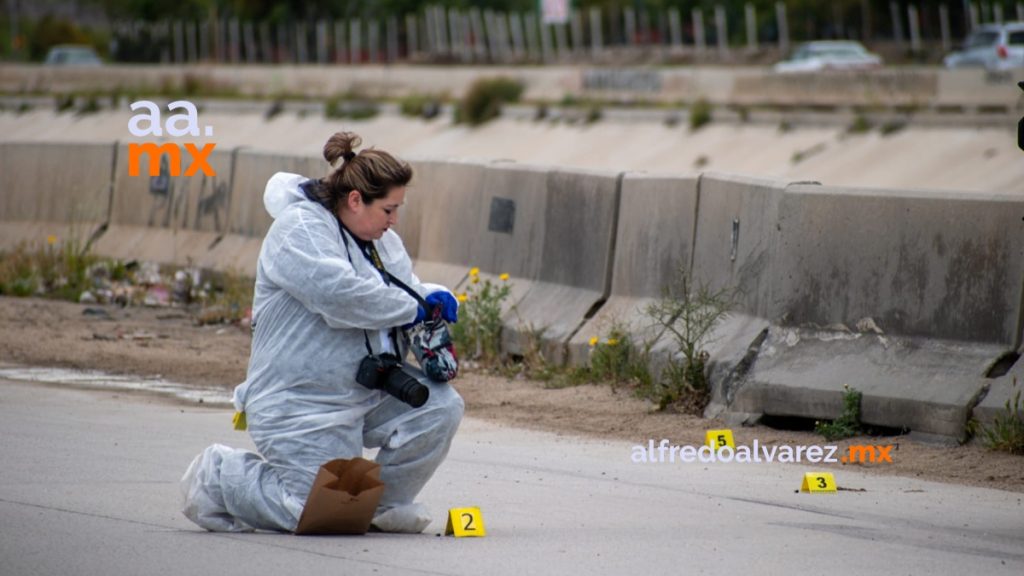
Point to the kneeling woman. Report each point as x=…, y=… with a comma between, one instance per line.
x=324, y=299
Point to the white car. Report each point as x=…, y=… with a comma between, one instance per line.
x=830, y=55
x=993, y=47
x=72, y=55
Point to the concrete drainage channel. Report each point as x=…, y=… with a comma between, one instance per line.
x=891, y=118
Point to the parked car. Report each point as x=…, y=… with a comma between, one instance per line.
x=72, y=55
x=830, y=55
x=993, y=46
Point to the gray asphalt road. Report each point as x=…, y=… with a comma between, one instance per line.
x=88, y=485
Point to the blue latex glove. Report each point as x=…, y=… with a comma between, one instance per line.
x=449, y=306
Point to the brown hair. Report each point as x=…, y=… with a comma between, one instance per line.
x=372, y=172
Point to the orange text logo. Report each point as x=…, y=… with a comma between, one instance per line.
x=147, y=122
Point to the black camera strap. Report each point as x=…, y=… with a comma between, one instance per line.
x=369, y=251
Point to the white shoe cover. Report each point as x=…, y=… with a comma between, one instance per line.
x=407, y=519
x=199, y=507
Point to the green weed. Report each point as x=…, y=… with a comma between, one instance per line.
x=848, y=424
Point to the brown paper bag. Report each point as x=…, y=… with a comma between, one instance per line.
x=343, y=499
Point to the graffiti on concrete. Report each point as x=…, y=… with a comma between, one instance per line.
x=622, y=79
x=192, y=202
x=213, y=204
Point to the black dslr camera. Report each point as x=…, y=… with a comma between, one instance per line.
x=384, y=372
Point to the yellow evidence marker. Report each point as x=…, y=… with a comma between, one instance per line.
x=719, y=438
x=464, y=522
x=818, y=482
x=239, y=421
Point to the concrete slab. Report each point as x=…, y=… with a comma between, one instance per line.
x=882, y=88
x=976, y=87
x=246, y=214
x=736, y=240
x=161, y=245
x=89, y=486
x=916, y=384
x=576, y=267
x=53, y=189
x=36, y=234
x=450, y=217
x=967, y=154
x=246, y=220
x=235, y=251
x=1001, y=391
x=507, y=235
x=653, y=241
x=198, y=202
x=934, y=264
x=175, y=224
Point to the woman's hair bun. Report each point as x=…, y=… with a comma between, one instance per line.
x=341, y=145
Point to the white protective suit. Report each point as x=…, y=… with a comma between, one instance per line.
x=300, y=397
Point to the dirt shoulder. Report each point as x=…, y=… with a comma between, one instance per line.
x=165, y=342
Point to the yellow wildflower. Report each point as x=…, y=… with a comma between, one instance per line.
x=474, y=279
x=474, y=271
x=593, y=341
x=612, y=341
x=504, y=277
x=51, y=239
x=462, y=297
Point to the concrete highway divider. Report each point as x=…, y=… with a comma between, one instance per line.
x=653, y=242
x=167, y=219
x=908, y=297
x=508, y=237
x=1005, y=395
x=736, y=249
x=940, y=265
x=450, y=209
x=883, y=88
x=576, y=262
x=247, y=218
x=53, y=189
x=914, y=298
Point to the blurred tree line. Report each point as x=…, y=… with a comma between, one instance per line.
x=808, y=19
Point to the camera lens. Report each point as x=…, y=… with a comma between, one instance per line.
x=406, y=388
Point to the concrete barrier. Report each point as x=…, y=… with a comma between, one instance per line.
x=486, y=216
x=508, y=235
x=248, y=220
x=409, y=215
x=653, y=240
x=576, y=263
x=1001, y=391
x=941, y=265
x=908, y=297
x=884, y=88
x=735, y=250
x=978, y=88
x=167, y=219
x=733, y=85
x=450, y=209
x=53, y=189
